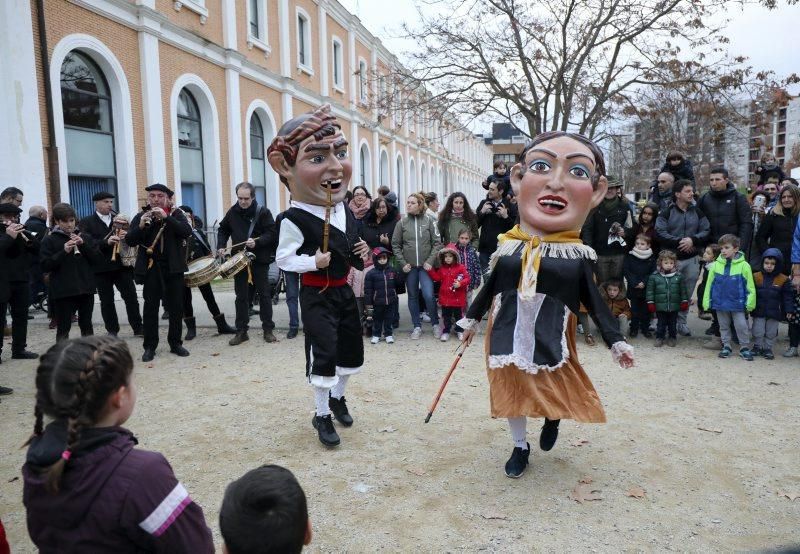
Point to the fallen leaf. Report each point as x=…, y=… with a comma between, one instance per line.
x=215, y=353
x=635, y=492
x=774, y=383
x=584, y=493
x=256, y=381
x=579, y=442
x=494, y=514
x=416, y=471
x=13, y=479
x=151, y=365
x=790, y=495
x=586, y=480
x=387, y=430
x=690, y=356
x=709, y=430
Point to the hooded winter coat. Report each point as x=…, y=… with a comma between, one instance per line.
x=380, y=282
x=112, y=497
x=730, y=286
x=416, y=240
x=371, y=230
x=637, y=270
x=450, y=297
x=666, y=291
x=619, y=305
x=469, y=258
x=774, y=291
x=728, y=211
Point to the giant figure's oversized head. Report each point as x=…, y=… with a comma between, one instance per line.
x=310, y=154
x=559, y=179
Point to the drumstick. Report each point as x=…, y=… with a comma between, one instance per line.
x=238, y=244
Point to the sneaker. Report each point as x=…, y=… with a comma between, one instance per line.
x=326, y=430
x=5, y=391
x=790, y=352
x=714, y=343
x=683, y=330
x=671, y=342
x=659, y=343
x=757, y=351
x=425, y=317
x=549, y=434
x=706, y=316
x=416, y=333
x=390, y=339
x=516, y=464
x=437, y=331
x=745, y=354
x=375, y=340
x=340, y=412
x=725, y=352
x=445, y=337
x=589, y=339
x=768, y=354
x=460, y=336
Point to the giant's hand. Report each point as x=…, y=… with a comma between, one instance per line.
x=467, y=336
x=322, y=260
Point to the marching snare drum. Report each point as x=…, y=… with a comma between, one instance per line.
x=235, y=264
x=201, y=271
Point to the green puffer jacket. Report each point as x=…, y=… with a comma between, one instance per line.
x=666, y=291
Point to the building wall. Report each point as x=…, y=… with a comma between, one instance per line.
x=197, y=45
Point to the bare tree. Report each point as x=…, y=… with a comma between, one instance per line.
x=565, y=64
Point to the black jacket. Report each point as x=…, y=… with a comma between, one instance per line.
x=636, y=271
x=728, y=212
x=8, y=251
x=682, y=171
x=371, y=231
x=235, y=225
x=175, y=237
x=492, y=224
x=19, y=266
x=595, y=229
x=776, y=231
x=70, y=274
x=94, y=227
x=37, y=227
x=198, y=244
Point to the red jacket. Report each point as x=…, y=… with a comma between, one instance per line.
x=448, y=274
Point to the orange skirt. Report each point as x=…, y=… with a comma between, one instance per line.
x=566, y=393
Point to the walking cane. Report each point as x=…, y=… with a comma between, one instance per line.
x=462, y=347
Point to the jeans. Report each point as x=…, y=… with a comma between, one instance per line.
x=690, y=271
x=737, y=321
x=667, y=324
x=292, y=282
x=415, y=279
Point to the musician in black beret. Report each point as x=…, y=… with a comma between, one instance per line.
x=109, y=272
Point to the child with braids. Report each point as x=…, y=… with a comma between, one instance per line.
x=87, y=489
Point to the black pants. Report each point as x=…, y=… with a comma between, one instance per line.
x=123, y=280
x=794, y=334
x=19, y=302
x=160, y=284
x=332, y=328
x=667, y=323
x=63, y=308
x=383, y=320
x=208, y=296
x=641, y=317
x=449, y=317
x=261, y=284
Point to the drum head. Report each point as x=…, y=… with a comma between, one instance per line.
x=200, y=263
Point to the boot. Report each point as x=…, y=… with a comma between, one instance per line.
x=239, y=338
x=191, y=328
x=516, y=464
x=179, y=350
x=340, y=411
x=327, y=432
x=549, y=434
x=222, y=326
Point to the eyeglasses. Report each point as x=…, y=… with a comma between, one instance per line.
x=359, y=193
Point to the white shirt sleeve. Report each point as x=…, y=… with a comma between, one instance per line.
x=289, y=241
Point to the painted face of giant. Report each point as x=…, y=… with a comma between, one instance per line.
x=321, y=163
x=554, y=192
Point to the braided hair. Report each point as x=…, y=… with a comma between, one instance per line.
x=73, y=382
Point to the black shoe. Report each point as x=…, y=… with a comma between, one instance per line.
x=339, y=409
x=547, y=439
x=291, y=334
x=269, y=337
x=516, y=464
x=179, y=350
x=326, y=430
x=5, y=391
x=149, y=354
x=252, y=311
x=222, y=326
x=239, y=338
x=165, y=315
x=191, y=328
x=138, y=331
x=633, y=333
x=24, y=355
x=647, y=334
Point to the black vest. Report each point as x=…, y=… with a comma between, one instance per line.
x=340, y=244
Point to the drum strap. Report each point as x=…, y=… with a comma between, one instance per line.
x=250, y=232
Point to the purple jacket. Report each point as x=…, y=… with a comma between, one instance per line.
x=112, y=498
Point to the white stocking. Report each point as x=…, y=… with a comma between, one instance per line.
x=338, y=389
x=321, y=401
x=518, y=426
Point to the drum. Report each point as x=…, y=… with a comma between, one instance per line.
x=201, y=271
x=235, y=264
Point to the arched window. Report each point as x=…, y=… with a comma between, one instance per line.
x=384, y=168
x=365, y=167
x=400, y=174
x=258, y=168
x=412, y=175
x=190, y=145
x=88, y=131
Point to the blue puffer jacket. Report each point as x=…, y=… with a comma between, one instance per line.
x=380, y=283
x=774, y=294
x=730, y=286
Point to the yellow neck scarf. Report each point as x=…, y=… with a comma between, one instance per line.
x=532, y=253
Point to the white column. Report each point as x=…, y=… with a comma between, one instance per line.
x=376, y=159
x=147, y=3
x=355, y=148
x=351, y=47
x=229, y=24
x=322, y=15
x=235, y=148
x=154, y=147
x=285, y=41
x=407, y=169
x=373, y=64
x=21, y=153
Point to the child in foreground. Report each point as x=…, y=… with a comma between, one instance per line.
x=86, y=488
x=637, y=267
x=455, y=279
x=264, y=512
x=666, y=296
x=613, y=292
x=380, y=295
x=731, y=292
x=774, y=298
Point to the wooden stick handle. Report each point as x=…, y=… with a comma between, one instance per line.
x=151, y=248
x=443, y=385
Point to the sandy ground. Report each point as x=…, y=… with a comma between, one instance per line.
x=711, y=442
